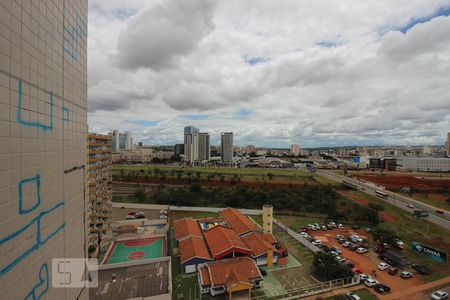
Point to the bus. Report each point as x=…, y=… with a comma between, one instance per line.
x=381, y=194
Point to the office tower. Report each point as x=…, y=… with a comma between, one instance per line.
x=179, y=149
x=100, y=194
x=191, y=147
x=121, y=141
x=295, y=149
x=226, y=146
x=204, y=149
x=190, y=130
x=43, y=128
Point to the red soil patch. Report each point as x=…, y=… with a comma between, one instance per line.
x=438, y=197
x=135, y=243
x=399, y=181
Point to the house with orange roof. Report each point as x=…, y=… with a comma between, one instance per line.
x=229, y=276
x=193, y=253
x=223, y=242
x=185, y=228
x=264, y=247
x=236, y=220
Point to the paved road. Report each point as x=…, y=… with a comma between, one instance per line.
x=394, y=199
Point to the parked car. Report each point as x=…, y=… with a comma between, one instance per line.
x=399, y=244
x=406, y=275
x=333, y=253
x=382, y=288
x=363, y=277
x=324, y=227
x=333, y=225
x=340, y=259
x=352, y=296
x=353, y=247
x=129, y=217
x=382, y=266
x=439, y=295
x=339, y=237
x=336, y=249
x=316, y=242
x=340, y=226
x=346, y=244
x=370, y=282
x=163, y=217
x=421, y=269
x=361, y=250
x=392, y=271
x=304, y=234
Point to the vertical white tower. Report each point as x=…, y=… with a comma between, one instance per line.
x=267, y=218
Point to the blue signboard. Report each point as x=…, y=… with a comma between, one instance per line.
x=356, y=159
x=435, y=254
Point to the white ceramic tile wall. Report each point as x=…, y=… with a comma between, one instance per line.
x=43, y=129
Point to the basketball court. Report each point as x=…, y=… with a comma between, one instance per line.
x=129, y=250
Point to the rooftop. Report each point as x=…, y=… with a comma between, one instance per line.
x=259, y=243
x=222, y=239
x=193, y=247
x=240, y=223
x=186, y=227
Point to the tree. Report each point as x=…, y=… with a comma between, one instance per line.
x=122, y=172
x=328, y=268
x=196, y=187
x=387, y=236
x=270, y=175
x=140, y=195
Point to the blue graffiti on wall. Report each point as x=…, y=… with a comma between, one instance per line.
x=72, y=34
x=35, y=223
x=21, y=121
x=34, y=180
x=41, y=287
x=65, y=114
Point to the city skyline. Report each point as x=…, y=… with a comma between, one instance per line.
x=275, y=83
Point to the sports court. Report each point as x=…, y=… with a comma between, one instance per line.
x=124, y=251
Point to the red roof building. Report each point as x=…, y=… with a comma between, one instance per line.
x=240, y=223
x=224, y=242
x=185, y=228
x=193, y=252
x=231, y=275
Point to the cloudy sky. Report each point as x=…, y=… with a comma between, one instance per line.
x=316, y=73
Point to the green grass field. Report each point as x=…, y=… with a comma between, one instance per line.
x=429, y=200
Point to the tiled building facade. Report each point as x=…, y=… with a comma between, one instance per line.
x=100, y=194
x=43, y=127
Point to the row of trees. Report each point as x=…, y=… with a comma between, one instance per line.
x=308, y=199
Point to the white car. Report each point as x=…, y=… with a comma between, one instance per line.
x=304, y=234
x=336, y=249
x=383, y=266
x=316, y=242
x=363, y=277
x=345, y=244
x=129, y=217
x=409, y=205
x=352, y=296
x=340, y=226
x=333, y=253
x=439, y=295
x=406, y=275
x=361, y=250
x=370, y=282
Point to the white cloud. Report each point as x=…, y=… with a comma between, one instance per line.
x=335, y=74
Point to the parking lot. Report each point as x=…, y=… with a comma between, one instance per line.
x=368, y=261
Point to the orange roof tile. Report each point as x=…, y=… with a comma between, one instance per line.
x=240, y=223
x=222, y=239
x=231, y=271
x=259, y=243
x=204, y=275
x=186, y=227
x=193, y=247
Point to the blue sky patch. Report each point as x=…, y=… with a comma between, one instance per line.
x=441, y=12
x=145, y=123
x=244, y=112
x=254, y=60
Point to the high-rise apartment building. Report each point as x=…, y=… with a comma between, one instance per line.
x=226, y=146
x=43, y=128
x=191, y=147
x=121, y=141
x=204, y=148
x=295, y=149
x=190, y=130
x=100, y=194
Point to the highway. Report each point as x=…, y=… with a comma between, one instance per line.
x=400, y=201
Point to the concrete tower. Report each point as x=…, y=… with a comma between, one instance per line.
x=267, y=218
